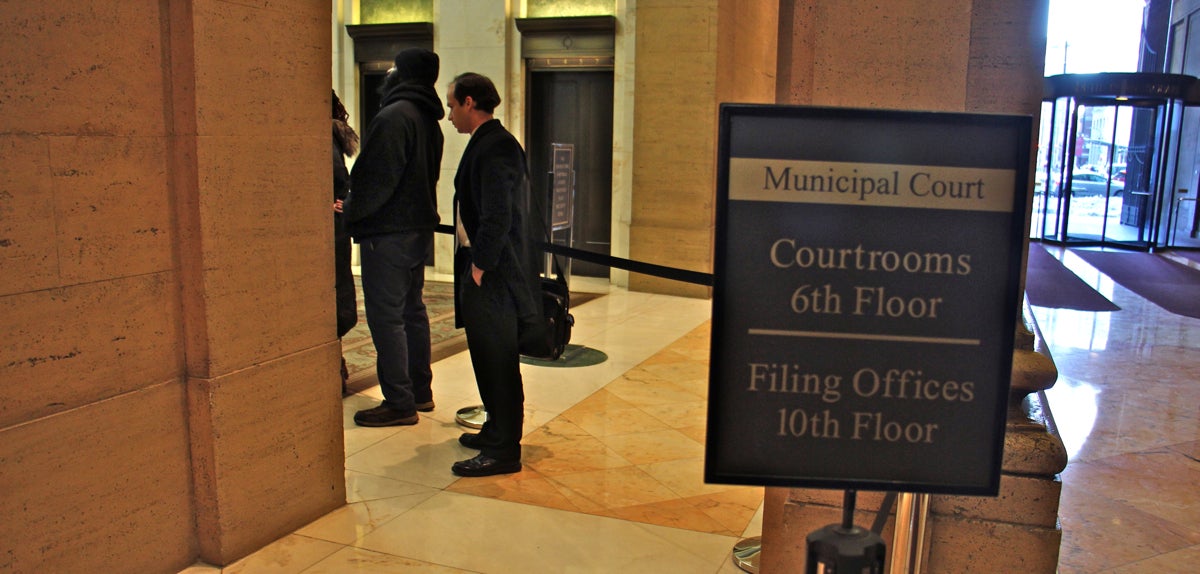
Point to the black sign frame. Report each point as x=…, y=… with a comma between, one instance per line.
x=861, y=401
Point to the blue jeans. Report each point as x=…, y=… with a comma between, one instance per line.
x=393, y=278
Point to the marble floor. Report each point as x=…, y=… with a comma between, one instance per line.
x=1127, y=405
x=614, y=451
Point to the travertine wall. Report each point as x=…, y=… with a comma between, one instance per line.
x=168, y=382
x=691, y=56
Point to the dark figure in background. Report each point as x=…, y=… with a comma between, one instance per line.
x=345, y=143
x=392, y=212
x=496, y=272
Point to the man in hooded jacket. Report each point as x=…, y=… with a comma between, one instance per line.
x=392, y=213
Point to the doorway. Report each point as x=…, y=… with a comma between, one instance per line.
x=1105, y=162
x=575, y=107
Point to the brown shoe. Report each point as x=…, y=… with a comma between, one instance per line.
x=425, y=407
x=383, y=416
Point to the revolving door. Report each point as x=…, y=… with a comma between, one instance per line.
x=1106, y=161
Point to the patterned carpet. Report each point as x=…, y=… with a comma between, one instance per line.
x=446, y=340
x=360, y=353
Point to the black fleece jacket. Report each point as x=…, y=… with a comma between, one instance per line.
x=393, y=186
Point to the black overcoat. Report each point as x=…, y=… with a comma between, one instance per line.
x=491, y=190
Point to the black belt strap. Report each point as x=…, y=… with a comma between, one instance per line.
x=642, y=267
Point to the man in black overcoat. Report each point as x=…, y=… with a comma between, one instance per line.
x=496, y=270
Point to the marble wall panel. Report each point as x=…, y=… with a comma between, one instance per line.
x=1027, y=500
x=27, y=220
x=1000, y=78
x=965, y=545
x=101, y=488
x=674, y=247
x=908, y=54
x=674, y=136
x=267, y=448
x=83, y=208
x=72, y=346
x=270, y=89
x=266, y=236
x=61, y=62
x=748, y=54
x=111, y=217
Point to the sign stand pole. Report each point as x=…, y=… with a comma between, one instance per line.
x=908, y=537
x=844, y=548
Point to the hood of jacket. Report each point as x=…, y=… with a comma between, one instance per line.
x=424, y=97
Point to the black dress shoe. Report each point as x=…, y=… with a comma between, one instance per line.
x=470, y=440
x=483, y=465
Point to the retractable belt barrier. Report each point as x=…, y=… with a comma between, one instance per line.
x=642, y=267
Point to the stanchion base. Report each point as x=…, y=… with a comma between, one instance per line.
x=745, y=554
x=471, y=417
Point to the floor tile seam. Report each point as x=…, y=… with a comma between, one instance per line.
x=724, y=531
x=364, y=504
x=392, y=477
x=388, y=554
x=719, y=490
x=674, y=424
x=564, y=490
x=358, y=547
x=361, y=450
x=551, y=474
x=1168, y=529
x=608, y=512
x=340, y=547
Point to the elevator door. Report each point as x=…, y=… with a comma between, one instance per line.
x=576, y=107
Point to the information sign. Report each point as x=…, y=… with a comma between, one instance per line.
x=866, y=291
x=561, y=204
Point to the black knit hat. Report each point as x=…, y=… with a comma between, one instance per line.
x=417, y=65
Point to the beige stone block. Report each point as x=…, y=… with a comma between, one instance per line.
x=679, y=85
x=112, y=211
x=1031, y=450
x=1022, y=500
x=964, y=545
x=28, y=254
x=268, y=451
x=658, y=122
x=66, y=65
x=747, y=51
x=1007, y=76
x=907, y=54
x=68, y=347
x=864, y=500
x=281, y=85
x=266, y=235
x=674, y=247
x=676, y=28
x=660, y=201
x=101, y=488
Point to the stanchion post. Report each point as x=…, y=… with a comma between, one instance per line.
x=845, y=548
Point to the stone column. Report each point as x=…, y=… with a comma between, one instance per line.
x=168, y=382
x=249, y=173
x=941, y=55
